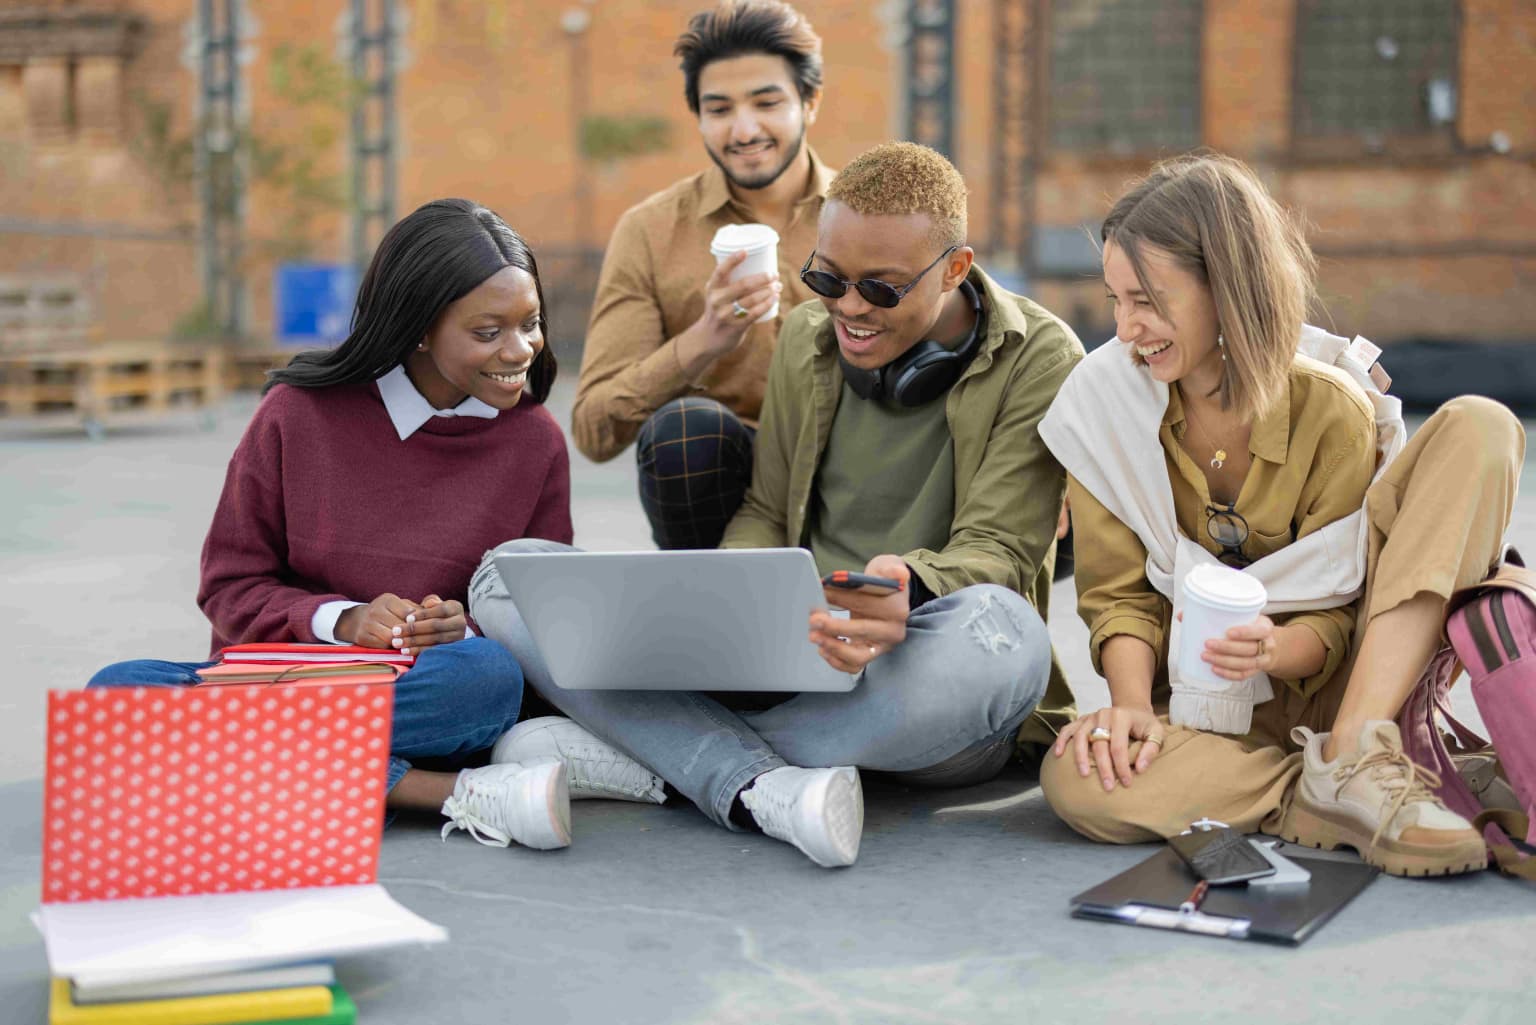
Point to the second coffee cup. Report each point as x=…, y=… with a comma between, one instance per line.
x=1216, y=598
x=760, y=243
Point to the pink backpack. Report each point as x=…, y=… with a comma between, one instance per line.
x=1492, y=631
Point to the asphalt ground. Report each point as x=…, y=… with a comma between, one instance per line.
x=955, y=912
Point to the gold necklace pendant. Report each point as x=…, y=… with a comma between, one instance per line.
x=1219, y=458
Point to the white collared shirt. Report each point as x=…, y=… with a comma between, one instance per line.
x=408, y=409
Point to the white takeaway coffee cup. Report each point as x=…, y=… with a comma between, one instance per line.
x=760, y=243
x=1216, y=598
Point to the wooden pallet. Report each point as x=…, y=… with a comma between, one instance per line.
x=246, y=369
x=107, y=383
x=39, y=312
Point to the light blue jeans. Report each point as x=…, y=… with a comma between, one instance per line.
x=456, y=700
x=940, y=709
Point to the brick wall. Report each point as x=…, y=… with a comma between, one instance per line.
x=79, y=193
x=1430, y=246
x=484, y=112
x=1437, y=245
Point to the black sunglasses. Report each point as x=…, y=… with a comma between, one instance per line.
x=876, y=293
x=1226, y=527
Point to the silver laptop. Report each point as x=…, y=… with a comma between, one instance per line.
x=694, y=620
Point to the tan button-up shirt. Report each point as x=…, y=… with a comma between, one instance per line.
x=652, y=289
x=1314, y=453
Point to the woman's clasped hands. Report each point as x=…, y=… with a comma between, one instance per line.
x=1101, y=741
x=390, y=621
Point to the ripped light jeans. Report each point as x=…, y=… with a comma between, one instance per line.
x=939, y=709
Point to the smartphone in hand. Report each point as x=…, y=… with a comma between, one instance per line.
x=847, y=580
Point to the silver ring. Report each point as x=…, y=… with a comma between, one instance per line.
x=739, y=311
x=1097, y=734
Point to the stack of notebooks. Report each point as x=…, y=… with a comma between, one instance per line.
x=305, y=994
x=208, y=852
x=305, y=664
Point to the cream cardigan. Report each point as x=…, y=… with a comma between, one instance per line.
x=1103, y=428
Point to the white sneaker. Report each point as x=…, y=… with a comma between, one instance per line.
x=820, y=811
x=499, y=804
x=594, y=768
x=1380, y=803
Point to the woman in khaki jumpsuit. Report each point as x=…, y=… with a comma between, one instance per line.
x=1210, y=281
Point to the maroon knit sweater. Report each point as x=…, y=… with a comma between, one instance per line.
x=323, y=502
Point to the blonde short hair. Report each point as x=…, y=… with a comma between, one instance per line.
x=898, y=178
x=1214, y=217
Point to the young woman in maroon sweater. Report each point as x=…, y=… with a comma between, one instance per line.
x=367, y=486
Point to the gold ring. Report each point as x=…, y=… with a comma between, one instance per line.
x=1259, y=651
x=739, y=311
x=874, y=650
x=1097, y=734
x=1154, y=739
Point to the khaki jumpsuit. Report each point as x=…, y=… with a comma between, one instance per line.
x=1437, y=519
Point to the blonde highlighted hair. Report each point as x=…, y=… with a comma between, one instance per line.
x=1213, y=216
x=897, y=178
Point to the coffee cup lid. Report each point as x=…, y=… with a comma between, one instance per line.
x=1225, y=587
x=733, y=238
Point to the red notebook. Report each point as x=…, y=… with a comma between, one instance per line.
x=307, y=653
x=196, y=830
x=153, y=791
x=299, y=674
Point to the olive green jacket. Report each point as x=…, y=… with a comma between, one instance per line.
x=1008, y=487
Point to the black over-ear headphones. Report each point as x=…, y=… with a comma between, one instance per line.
x=923, y=372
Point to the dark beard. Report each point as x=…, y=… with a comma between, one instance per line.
x=762, y=181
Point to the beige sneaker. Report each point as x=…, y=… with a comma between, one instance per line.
x=1379, y=803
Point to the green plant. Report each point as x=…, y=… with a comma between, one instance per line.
x=287, y=157
x=198, y=324
x=607, y=138
x=320, y=93
x=169, y=156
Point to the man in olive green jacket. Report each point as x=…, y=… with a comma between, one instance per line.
x=1007, y=487
x=898, y=440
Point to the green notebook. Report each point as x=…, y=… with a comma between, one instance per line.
x=343, y=1012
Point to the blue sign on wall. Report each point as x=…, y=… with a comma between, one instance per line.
x=314, y=302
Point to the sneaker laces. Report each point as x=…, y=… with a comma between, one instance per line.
x=772, y=807
x=474, y=813
x=605, y=769
x=1402, y=777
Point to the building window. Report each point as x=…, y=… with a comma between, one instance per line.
x=1376, y=75
x=68, y=65
x=1125, y=76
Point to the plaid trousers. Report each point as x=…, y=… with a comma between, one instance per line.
x=695, y=459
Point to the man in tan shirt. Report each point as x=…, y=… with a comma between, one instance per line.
x=675, y=358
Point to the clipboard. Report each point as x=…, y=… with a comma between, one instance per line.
x=1149, y=894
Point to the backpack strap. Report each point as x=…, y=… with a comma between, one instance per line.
x=1510, y=575
x=1467, y=739
x=1497, y=826
x=1423, y=741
